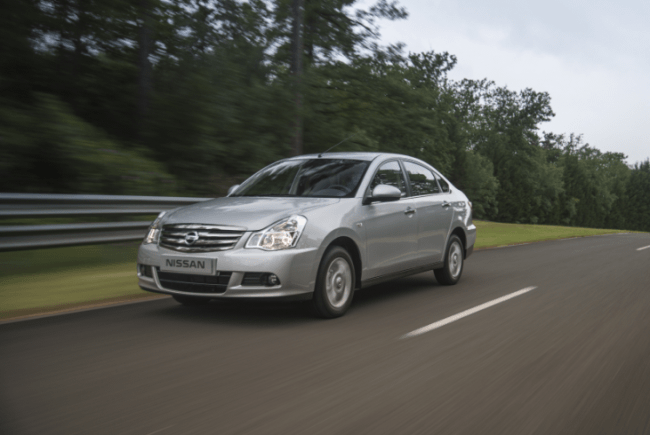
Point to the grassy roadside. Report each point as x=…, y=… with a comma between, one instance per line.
x=48, y=280
x=493, y=234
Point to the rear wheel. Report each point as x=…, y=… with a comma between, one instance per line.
x=190, y=300
x=334, y=283
x=453, y=267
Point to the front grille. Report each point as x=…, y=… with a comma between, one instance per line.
x=194, y=283
x=210, y=237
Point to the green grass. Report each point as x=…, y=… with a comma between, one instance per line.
x=35, y=293
x=39, y=281
x=492, y=234
x=43, y=280
x=43, y=261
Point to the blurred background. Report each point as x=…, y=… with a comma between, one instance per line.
x=187, y=97
x=184, y=98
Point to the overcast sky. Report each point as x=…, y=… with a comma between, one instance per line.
x=592, y=57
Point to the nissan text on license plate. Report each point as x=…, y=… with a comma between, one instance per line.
x=198, y=265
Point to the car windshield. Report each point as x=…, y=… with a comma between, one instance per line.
x=327, y=178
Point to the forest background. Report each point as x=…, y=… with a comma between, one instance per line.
x=187, y=97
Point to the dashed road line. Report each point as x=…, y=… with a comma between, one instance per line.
x=465, y=313
x=159, y=430
x=645, y=247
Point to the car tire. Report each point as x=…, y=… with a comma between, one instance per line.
x=453, y=267
x=190, y=300
x=335, y=284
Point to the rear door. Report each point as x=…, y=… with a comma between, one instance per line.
x=391, y=227
x=434, y=212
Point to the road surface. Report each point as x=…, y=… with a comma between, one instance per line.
x=571, y=355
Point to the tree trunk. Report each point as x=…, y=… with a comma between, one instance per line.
x=297, y=72
x=79, y=48
x=144, y=66
x=63, y=10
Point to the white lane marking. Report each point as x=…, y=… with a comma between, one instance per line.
x=159, y=430
x=465, y=313
x=645, y=247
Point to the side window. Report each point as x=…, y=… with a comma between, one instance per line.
x=443, y=184
x=391, y=174
x=422, y=180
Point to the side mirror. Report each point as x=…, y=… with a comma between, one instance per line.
x=232, y=189
x=384, y=193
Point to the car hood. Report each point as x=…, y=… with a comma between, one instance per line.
x=252, y=213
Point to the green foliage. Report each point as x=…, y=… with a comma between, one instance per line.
x=46, y=149
x=501, y=125
x=478, y=182
x=594, y=193
x=385, y=102
x=190, y=96
x=638, y=198
x=332, y=29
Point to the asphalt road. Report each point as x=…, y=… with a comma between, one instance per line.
x=571, y=356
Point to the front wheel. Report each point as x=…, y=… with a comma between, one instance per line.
x=334, y=283
x=453, y=268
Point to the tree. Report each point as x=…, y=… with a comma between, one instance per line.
x=116, y=96
x=320, y=30
x=502, y=126
x=638, y=198
x=45, y=148
x=297, y=12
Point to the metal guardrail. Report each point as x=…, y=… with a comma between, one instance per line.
x=38, y=206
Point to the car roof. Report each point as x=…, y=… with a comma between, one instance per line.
x=353, y=155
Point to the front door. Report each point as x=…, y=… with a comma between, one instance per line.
x=391, y=227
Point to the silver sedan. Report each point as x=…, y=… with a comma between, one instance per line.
x=312, y=227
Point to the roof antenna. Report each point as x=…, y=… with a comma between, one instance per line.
x=330, y=148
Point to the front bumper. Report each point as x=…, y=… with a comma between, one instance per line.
x=296, y=269
x=471, y=240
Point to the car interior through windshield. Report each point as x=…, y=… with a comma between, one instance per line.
x=328, y=178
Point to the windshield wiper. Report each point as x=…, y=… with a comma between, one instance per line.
x=273, y=195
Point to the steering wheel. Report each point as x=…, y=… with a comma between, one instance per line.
x=338, y=187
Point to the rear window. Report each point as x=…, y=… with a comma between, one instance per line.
x=421, y=179
x=443, y=184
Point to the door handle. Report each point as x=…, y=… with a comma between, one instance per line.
x=409, y=211
x=446, y=204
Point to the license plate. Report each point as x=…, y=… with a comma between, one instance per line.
x=200, y=266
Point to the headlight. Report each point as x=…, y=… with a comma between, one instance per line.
x=281, y=235
x=153, y=234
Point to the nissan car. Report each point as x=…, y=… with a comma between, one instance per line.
x=315, y=227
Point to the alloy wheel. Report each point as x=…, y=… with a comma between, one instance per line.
x=338, y=282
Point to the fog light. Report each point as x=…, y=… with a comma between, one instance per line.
x=273, y=280
x=145, y=270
